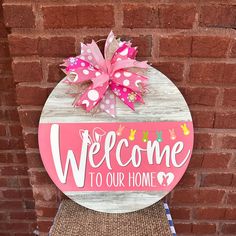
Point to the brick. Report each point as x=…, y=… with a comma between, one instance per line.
x=11, y=143
x=228, y=141
x=12, y=181
x=29, y=204
x=175, y=46
x=3, y=30
x=209, y=46
x=23, y=45
x=140, y=16
x=31, y=95
x=90, y=16
x=6, y=158
x=2, y=130
x=6, y=83
x=46, y=212
x=231, y=198
x=173, y=70
x=209, y=213
x=19, y=16
x=183, y=228
x=47, y=193
x=233, y=49
x=27, y=71
x=188, y=180
x=27, y=193
x=4, y=50
x=55, y=73
x=14, y=171
x=20, y=158
x=29, y=118
x=225, y=120
x=143, y=42
x=203, y=141
x=15, y=130
x=230, y=214
x=3, y=217
x=196, y=161
x=4, y=144
x=20, y=226
x=202, y=119
x=28, y=215
x=216, y=179
x=203, y=228
x=229, y=228
x=39, y=177
x=11, y=193
x=180, y=213
x=218, y=16
x=93, y=16
x=34, y=160
x=4, y=226
x=14, y=205
x=9, y=98
x=177, y=16
x=57, y=46
x=193, y=196
x=5, y=69
x=24, y=182
x=12, y=115
x=212, y=73
x=229, y=98
x=31, y=140
x=215, y=160
x=44, y=225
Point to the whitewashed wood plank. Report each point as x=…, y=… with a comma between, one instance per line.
x=163, y=103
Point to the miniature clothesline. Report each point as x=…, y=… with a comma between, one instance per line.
x=158, y=133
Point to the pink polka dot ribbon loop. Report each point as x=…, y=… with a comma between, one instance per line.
x=116, y=74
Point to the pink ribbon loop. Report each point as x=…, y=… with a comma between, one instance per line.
x=112, y=76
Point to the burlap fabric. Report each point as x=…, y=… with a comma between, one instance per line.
x=75, y=220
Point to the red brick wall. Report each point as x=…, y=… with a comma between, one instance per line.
x=17, y=210
x=192, y=42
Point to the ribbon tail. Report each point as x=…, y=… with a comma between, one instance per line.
x=91, y=97
x=108, y=103
x=126, y=95
x=111, y=46
x=97, y=55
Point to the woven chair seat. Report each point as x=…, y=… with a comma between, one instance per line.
x=75, y=220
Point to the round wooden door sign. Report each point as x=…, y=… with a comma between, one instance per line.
x=120, y=164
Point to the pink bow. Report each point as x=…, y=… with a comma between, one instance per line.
x=116, y=75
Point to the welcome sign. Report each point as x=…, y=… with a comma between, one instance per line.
x=117, y=164
x=117, y=157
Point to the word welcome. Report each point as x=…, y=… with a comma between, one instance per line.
x=154, y=154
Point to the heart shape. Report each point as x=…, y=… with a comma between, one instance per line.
x=165, y=179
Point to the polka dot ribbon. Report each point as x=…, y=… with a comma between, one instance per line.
x=117, y=74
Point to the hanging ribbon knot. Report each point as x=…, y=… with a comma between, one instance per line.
x=117, y=74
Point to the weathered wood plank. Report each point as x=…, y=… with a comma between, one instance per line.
x=164, y=102
x=116, y=202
